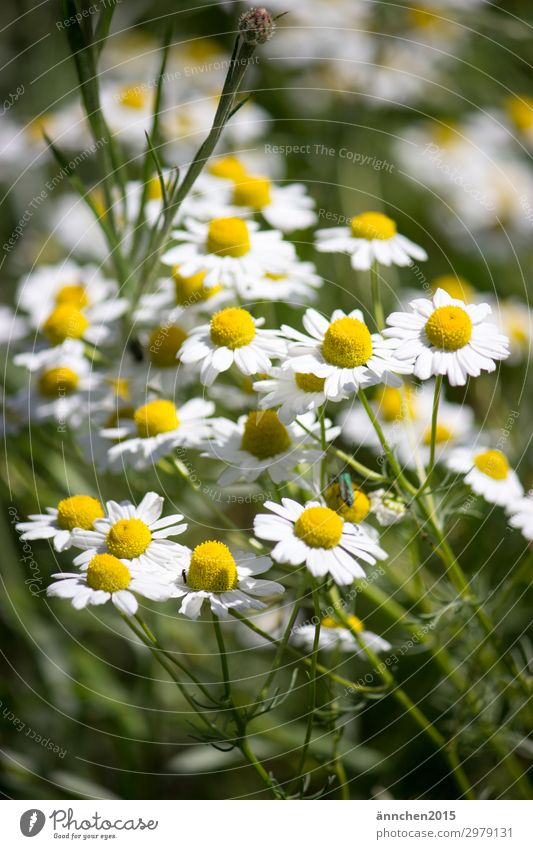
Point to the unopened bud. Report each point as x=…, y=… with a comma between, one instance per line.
x=256, y=26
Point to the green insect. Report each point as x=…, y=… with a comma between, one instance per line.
x=345, y=488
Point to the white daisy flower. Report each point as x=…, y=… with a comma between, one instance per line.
x=128, y=111
x=232, y=336
x=259, y=443
x=488, y=473
x=455, y=424
x=298, y=284
x=226, y=581
x=109, y=579
x=521, y=515
x=230, y=250
x=179, y=299
x=136, y=535
x=155, y=429
x=344, y=352
x=371, y=237
x=58, y=523
x=336, y=636
x=448, y=337
x=293, y=392
x=70, y=301
x=61, y=380
x=319, y=537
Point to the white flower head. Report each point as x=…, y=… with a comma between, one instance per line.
x=156, y=428
x=58, y=523
x=292, y=392
x=298, y=284
x=370, y=237
x=521, y=515
x=319, y=537
x=230, y=250
x=344, y=352
x=137, y=535
x=232, y=336
x=333, y=635
x=445, y=336
x=226, y=581
x=488, y=473
x=260, y=442
x=107, y=578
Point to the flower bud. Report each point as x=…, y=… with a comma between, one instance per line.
x=256, y=26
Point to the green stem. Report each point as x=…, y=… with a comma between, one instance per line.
x=362, y=470
x=393, y=462
x=376, y=296
x=434, y=418
x=313, y=685
x=223, y=657
x=260, y=770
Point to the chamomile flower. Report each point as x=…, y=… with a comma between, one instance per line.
x=445, y=336
x=371, y=237
x=488, y=473
x=128, y=111
x=230, y=250
x=107, y=578
x=286, y=208
x=293, y=392
x=344, y=352
x=260, y=442
x=298, y=284
x=334, y=635
x=136, y=535
x=319, y=537
x=58, y=523
x=155, y=429
x=232, y=336
x=180, y=298
x=521, y=515
x=454, y=427
x=59, y=386
x=392, y=406
x=225, y=580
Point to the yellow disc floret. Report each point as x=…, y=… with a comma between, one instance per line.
x=66, y=321
x=78, y=511
x=156, y=417
x=107, y=573
x=354, y=621
x=373, y=225
x=264, y=435
x=492, y=463
x=232, y=328
x=347, y=343
x=358, y=511
x=190, y=290
x=228, y=237
x=164, y=344
x=212, y=568
x=520, y=110
x=309, y=382
x=442, y=434
x=395, y=404
x=449, y=328
x=128, y=538
x=253, y=191
x=57, y=382
x=227, y=168
x=134, y=97
x=456, y=287
x=75, y=295
x=319, y=527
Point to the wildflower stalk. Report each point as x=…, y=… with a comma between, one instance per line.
x=379, y=316
x=313, y=684
x=434, y=418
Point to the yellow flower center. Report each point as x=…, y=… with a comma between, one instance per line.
x=56, y=382
x=359, y=509
x=120, y=386
x=190, y=290
x=153, y=188
x=456, y=287
x=355, y=623
x=107, y=573
x=319, y=527
x=253, y=191
x=373, y=225
x=66, y=321
x=212, y=568
x=227, y=168
x=164, y=344
x=395, y=404
x=492, y=463
x=520, y=110
x=75, y=295
x=134, y=97
x=309, y=382
x=78, y=511
x=156, y=417
x=128, y=538
x=347, y=343
x=232, y=328
x=449, y=328
x=228, y=237
x=264, y=435
x=442, y=434
x=275, y=277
